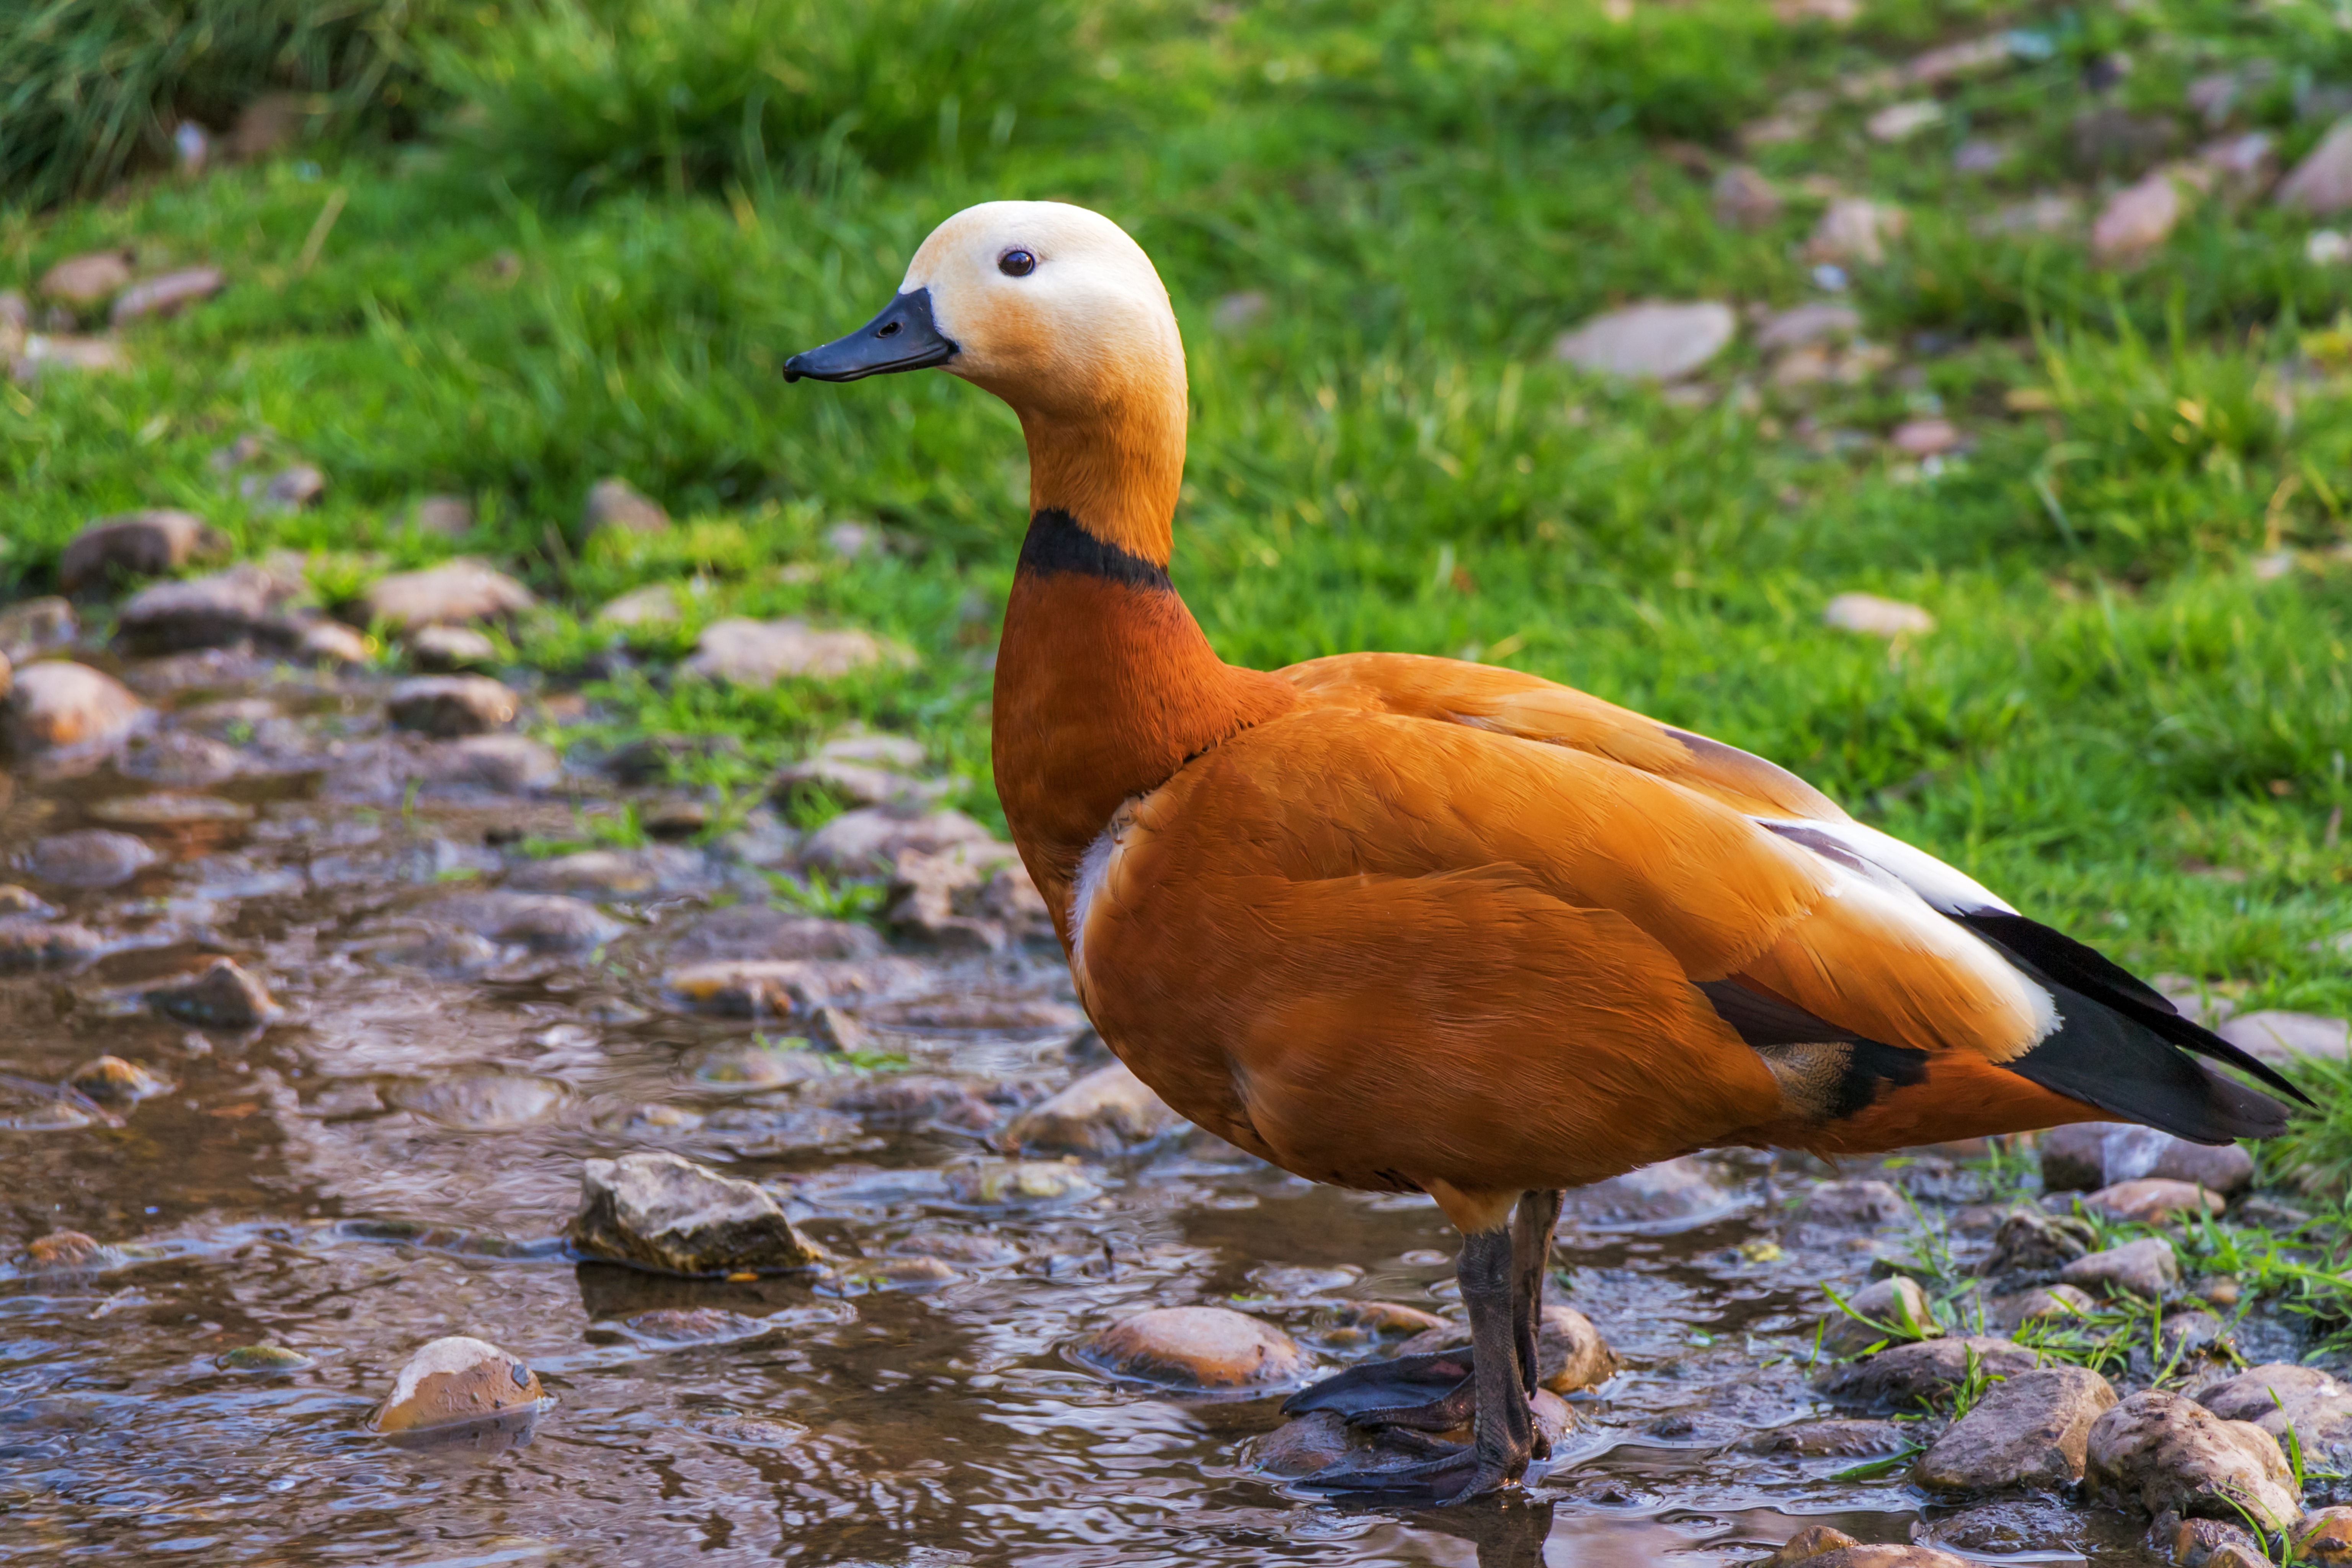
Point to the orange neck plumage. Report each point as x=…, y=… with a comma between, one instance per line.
x=1104, y=684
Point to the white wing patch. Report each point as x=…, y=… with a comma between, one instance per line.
x=1946, y=890
x=1094, y=871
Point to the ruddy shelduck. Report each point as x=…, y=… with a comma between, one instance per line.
x=1412, y=924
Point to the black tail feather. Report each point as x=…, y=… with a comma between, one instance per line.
x=2091, y=976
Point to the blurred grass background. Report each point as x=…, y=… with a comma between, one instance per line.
x=578, y=237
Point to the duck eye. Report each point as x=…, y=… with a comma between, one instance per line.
x=1016, y=264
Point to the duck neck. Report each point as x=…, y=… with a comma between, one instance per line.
x=1104, y=684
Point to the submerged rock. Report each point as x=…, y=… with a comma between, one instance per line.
x=756, y=932
x=484, y=1101
x=92, y=857
x=457, y=1382
x=1845, y=1440
x=544, y=922
x=1109, y=1112
x=667, y=1213
x=1195, y=1348
x=2029, y=1430
x=2164, y=1451
x=777, y=989
x=29, y=944
x=1014, y=1182
x=220, y=994
x=264, y=1358
x=110, y=1080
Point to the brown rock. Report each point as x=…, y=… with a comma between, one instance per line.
x=780, y=989
x=327, y=642
x=287, y=491
x=2032, y=1242
x=2283, y=1396
x=1109, y=1112
x=452, y=1381
x=1807, y=1544
x=1831, y=1439
x=137, y=544
x=614, y=504
x=1571, y=1354
x=1910, y=1375
x=2321, y=184
x=110, y=1080
x=504, y=764
x=452, y=593
x=450, y=648
x=166, y=294
x=219, y=610
x=1855, y=1204
x=32, y=627
x=88, y=279
x=2153, y=1200
x=669, y=1215
x=863, y=843
x=2145, y=1268
x=2011, y=1313
x=2162, y=1450
x=760, y=653
x=2208, y=1542
x=450, y=705
x=967, y=898
x=1195, y=1347
x=2138, y=219
x=2325, y=1537
x=2030, y=1431
x=1854, y=231
x=1894, y=1308
x=221, y=995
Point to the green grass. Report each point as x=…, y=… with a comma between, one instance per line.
x=1427, y=192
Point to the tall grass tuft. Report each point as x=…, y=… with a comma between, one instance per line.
x=581, y=97
x=92, y=89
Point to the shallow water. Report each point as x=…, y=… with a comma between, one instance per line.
x=344, y=1182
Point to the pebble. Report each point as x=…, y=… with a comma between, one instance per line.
x=1846, y=1439
x=165, y=294
x=56, y=706
x=1802, y=326
x=287, y=491
x=456, y=1380
x=760, y=653
x=758, y=932
x=1897, y=1303
x=2138, y=219
x=2088, y=1155
x=110, y=1080
x=484, y=1101
x=1744, y=198
x=544, y=922
x=865, y=842
x=778, y=988
x=1901, y=121
x=450, y=648
x=1109, y=1112
x=667, y=1213
x=655, y=605
x=2115, y=140
x=456, y=590
x=445, y=516
x=2321, y=184
x=266, y=1358
x=2207, y=1543
x=2282, y=1396
x=1004, y=1183
x=29, y=945
x=221, y=994
x=2153, y=1200
x=1854, y=231
x=2324, y=1536
x=90, y=857
x=149, y=543
x=2191, y=1333
x=1657, y=340
x=616, y=504
x=219, y=610
x=2276, y=1038
x=895, y=1274
x=2164, y=1451
x=2011, y=1313
x=88, y=279
x=1322, y=1438
x=2029, y=1430
x=966, y=899
x=1571, y=1354
x=855, y=783
x=1863, y=1205
x=751, y=1065
x=2032, y=1242
x=449, y=705
x=66, y=1251
x=34, y=627
x=1904, y=1375
x=1869, y=614
x=1195, y=1348
x=330, y=641
x=506, y=764
x=649, y=871
x=2145, y=1268
x=2245, y=166
x=1925, y=438
x=2050, y=213
x=43, y=352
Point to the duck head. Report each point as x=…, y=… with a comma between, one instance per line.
x=1058, y=311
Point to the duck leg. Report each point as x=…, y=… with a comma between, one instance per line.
x=1503, y=1429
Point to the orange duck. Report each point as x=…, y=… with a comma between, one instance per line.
x=1410, y=924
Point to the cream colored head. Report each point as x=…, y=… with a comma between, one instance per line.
x=1055, y=310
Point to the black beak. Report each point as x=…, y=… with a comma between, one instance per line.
x=903, y=337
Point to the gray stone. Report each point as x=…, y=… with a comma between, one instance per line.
x=1195, y=1347
x=616, y=503
x=870, y=841
x=1854, y=232
x=91, y=857
x=2029, y=1430
x=221, y=994
x=1109, y=1112
x=179, y=757
x=858, y=784
x=544, y=922
x=137, y=544
x=165, y=294
x=760, y=653
x=900, y=753
x=1744, y=198
x=1864, y=1204
x=88, y=279
x=2321, y=184
x=1893, y=1308
x=447, y=594
x=1657, y=340
x=2032, y=1242
x=2165, y=1452
x=651, y=758
x=29, y=945
x=669, y=1215
x=287, y=491
x=57, y=707
x=1803, y=325
x=2092, y=1155
x=1903, y=1375
x=1869, y=614
x=448, y=705
x=2145, y=1268
x=2011, y=1313
x=504, y=764
x=450, y=648
x=648, y=872
x=445, y=516
x=2278, y=1037
x=752, y=931
x=2152, y=1200
x=46, y=352
x=216, y=611
x=35, y=626
x=2283, y=1396
x=655, y=605
x=1846, y=1439
x=968, y=898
